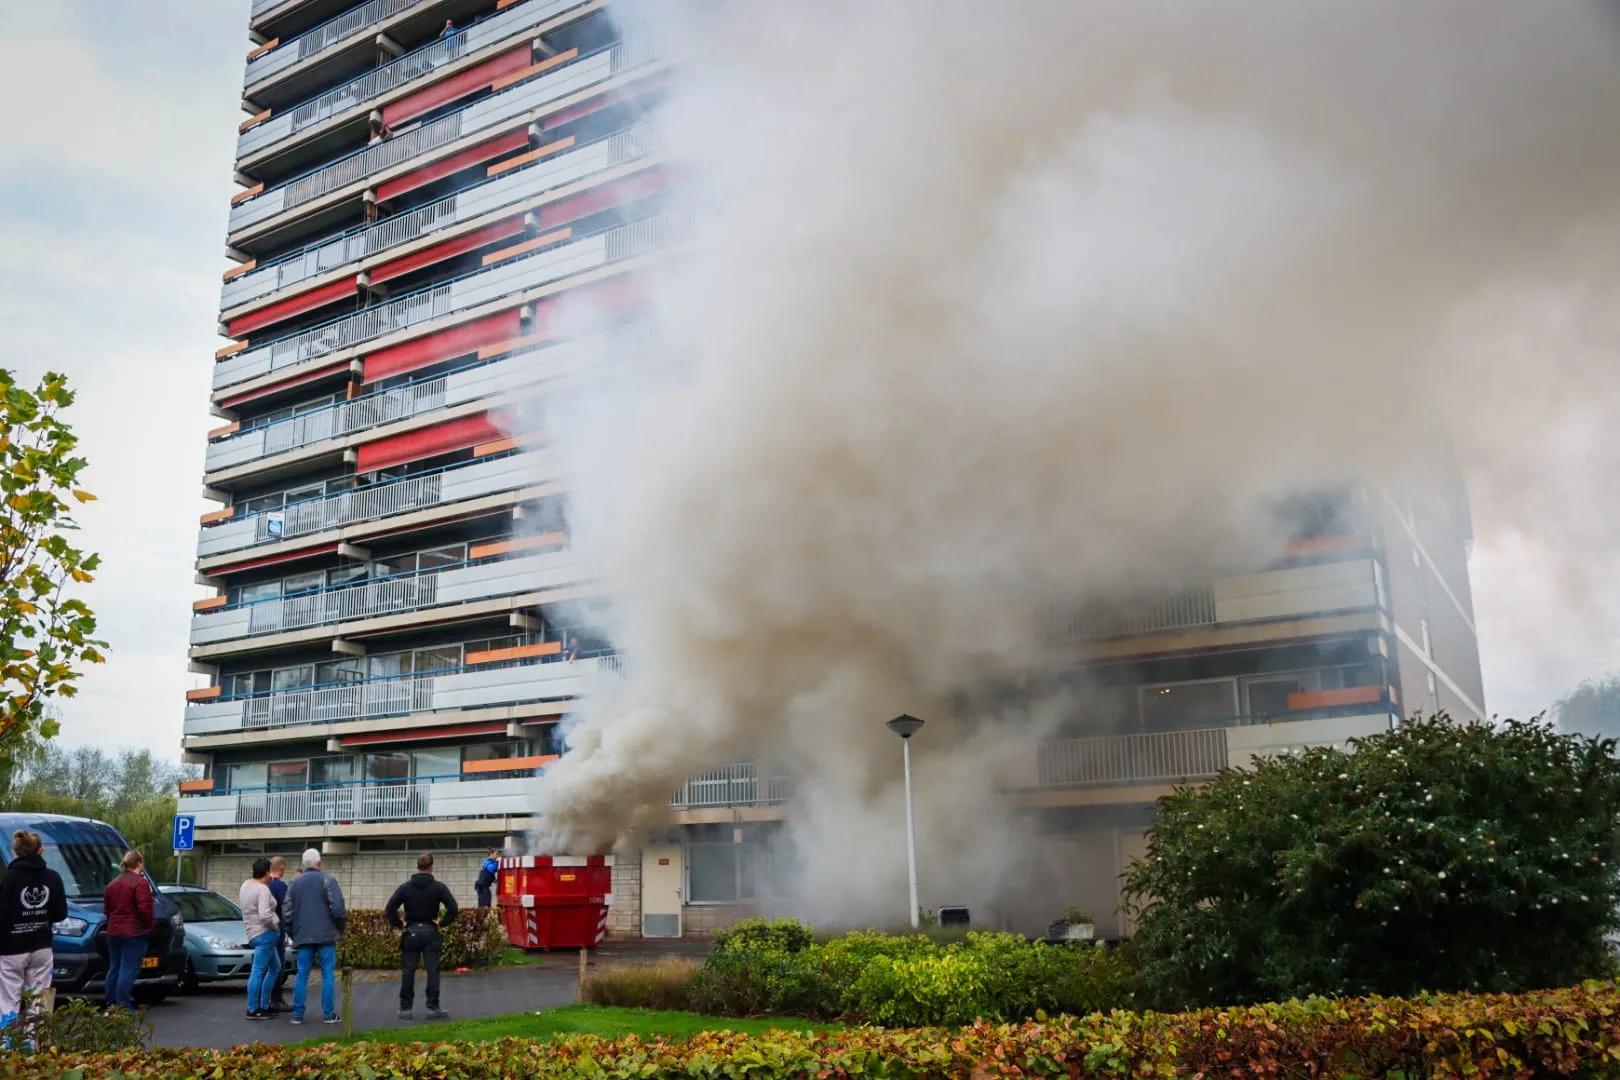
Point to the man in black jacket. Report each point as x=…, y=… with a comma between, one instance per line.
x=31, y=901
x=423, y=898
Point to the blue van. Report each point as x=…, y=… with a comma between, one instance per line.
x=87, y=853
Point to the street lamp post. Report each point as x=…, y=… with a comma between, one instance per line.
x=905, y=727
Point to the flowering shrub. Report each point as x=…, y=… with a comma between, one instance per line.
x=1440, y=856
x=1551, y=1033
x=475, y=939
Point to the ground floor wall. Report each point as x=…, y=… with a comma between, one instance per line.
x=367, y=878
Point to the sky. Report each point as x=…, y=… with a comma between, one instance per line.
x=114, y=189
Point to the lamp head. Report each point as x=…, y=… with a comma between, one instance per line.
x=905, y=726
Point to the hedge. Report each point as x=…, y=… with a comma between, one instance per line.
x=777, y=968
x=1549, y=1033
x=475, y=939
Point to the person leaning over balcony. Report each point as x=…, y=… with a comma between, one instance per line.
x=127, y=903
x=263, y=928
x=32, y=900
x=278, y=890
x=429, y=908
x=314, y=916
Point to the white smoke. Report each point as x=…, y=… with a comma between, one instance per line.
x=997, y=303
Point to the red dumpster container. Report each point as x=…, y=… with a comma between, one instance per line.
x=555, y=901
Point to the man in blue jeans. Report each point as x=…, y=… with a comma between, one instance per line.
x=313, y=916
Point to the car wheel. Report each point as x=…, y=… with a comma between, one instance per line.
x=150, y=995
x=188, y=979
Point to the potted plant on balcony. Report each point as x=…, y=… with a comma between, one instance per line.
x=1077, y=925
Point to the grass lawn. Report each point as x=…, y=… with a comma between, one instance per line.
x=577, y=1020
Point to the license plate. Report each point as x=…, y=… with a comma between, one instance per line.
x=150, y=961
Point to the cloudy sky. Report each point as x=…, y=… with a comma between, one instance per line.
x=115, y=165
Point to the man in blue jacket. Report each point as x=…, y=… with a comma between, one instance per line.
x=314, y=916
x=488, y=873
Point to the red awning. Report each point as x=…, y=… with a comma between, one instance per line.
x=631, y=188
x=428, y=442
x=474, y=78
x=497, y=727
x=447, y=249
x=292, y=305
x=432, y=348
x=489, y=148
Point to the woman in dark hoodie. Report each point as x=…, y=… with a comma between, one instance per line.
x=32, y=900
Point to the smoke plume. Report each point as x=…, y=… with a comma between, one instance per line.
x=995, y=304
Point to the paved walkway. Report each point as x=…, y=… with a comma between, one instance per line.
x=215, y=1016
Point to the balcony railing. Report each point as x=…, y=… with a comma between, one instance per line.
x=359, y=802
x=470, y=382
x=1121, y=759
x=549, y=678
x=452, y=483
x=589, y=251
x=400, y=593
x=1168, y=611
x=318, y=39
x=391, y=76
x=506, y=189
x=738, y=784
x=507, y=105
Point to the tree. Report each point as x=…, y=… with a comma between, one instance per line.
x=46, y=635
x=1438, y=856
x=1592, y=708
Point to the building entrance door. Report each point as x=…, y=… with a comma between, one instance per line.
x=663, y=874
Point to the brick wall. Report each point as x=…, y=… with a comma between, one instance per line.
x=367, y=880
x=624, y=917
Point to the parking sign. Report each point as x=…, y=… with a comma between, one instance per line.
x=185, y=828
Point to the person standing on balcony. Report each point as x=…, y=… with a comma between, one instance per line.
x=31, y=901
x=489, y=871
x=278, y=890
x=429, y=907
x=127, y=903
x=314, y=916
x=263, y=928
x=448, y=31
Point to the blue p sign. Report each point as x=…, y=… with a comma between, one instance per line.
x=185, y=832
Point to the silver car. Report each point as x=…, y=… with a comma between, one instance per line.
x=216, y=940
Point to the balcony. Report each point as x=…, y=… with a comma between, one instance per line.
x=473, y=382
x=421, y=799
x=512, y=188
x=361, y=92
x=510, y=107
x=347, y=27
x=1167, y=757
x=738, y=784
x=434, y=487
x=396, y=595
x=1350, y=585
x=510, y=278
x=539, y=679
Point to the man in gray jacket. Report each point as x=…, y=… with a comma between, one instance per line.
x=313, y=915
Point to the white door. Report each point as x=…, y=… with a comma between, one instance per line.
x=663, y=875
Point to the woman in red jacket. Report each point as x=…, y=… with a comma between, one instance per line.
x=127, y=904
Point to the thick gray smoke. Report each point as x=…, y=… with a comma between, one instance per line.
x=992, y=304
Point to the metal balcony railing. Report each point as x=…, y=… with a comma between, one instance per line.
x=321, y=37
x=587, y=251
x=738, y=784
x=1119, y=759
x=1168, y=611
x=475, y=200
x=469, y=580
x=376, y=800
x=391, y=76
x=509, y=104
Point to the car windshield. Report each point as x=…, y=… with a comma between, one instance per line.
x=205, y=907
x=85, y=853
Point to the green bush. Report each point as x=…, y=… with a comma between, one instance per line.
x=78, y=1026
x=1572, y=1032
x=661, y=984
x=1439, y=856
x=778, y=935
x=475, y=939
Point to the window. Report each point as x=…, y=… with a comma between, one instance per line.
x=438, y=658
x=197, y=907
x=347, y=670
x=244, y=683
x=331, y=770
x=395, y=766
x=252, y=594
x=1268, y=696
x=345, y=574
x=500, y=751
x=434, y=558
x=286, y=774
x=1188, y=705
x=445, y=761
x=250, y=774
x=721, y=872
x=303, y=583
x=294, y=678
